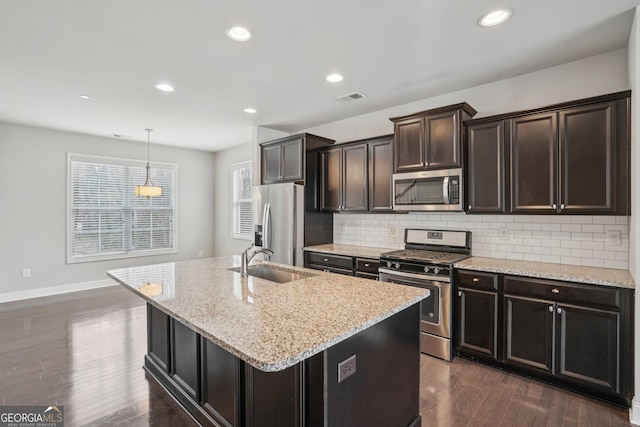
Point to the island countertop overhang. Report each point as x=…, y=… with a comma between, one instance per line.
x=271, y=326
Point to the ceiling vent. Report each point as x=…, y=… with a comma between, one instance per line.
x=351, y=97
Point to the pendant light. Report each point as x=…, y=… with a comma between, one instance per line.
x=148, y=189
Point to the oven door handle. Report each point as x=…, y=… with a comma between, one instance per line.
x=422, y=277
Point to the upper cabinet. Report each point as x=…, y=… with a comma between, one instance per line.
x=430, y=139
x=570, y=158
x=486, y=169
x=380, y=172
x=283, y=160
x=344, y=179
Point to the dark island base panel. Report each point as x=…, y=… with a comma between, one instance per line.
x=219, y=389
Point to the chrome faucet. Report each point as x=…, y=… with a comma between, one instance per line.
x=246, y=258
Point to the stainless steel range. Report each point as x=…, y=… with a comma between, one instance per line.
x=427, y=262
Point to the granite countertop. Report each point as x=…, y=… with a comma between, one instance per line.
x=269, y=325
x=349, y=250
x=570, y=273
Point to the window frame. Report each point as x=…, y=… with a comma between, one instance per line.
x=126, y=162
x=234, y=167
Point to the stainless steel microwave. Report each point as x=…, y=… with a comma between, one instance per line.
x=438, y=190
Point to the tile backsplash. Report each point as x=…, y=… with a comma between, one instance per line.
x=576, y=240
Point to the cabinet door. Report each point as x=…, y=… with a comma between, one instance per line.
x=476, y=326
x=408, y=145
x=443, y=140
x=158, y=337
x=292, y=160
x=331, y=181
x=355, y=178
x=534, y=148
x=588, y=159
x=185, y=355
x=271, y=163
x=486, y=168
x=529, y=326
x=588, y=342
x=380, y=171
x=221, y=383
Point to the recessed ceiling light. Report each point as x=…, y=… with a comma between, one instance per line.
x=239, y=34
x=334, y=78
x=85, y=96
x=165, y=87
x=250, y=110
x=496, y=17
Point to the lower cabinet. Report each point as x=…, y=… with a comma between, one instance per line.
x=367, y=268
x=576, y=335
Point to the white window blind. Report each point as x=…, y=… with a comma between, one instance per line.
x=107, y=220
x=242, y=205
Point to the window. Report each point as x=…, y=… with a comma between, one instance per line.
x=107, y=220
x=242, y=205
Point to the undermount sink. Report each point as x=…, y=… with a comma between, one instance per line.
x=273, y=274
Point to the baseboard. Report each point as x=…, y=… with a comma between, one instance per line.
x=54, y=290
x=634, y=413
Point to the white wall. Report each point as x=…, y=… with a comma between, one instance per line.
x=592, y=76
x=634, y=223
x=224, y=243
x=33, y=183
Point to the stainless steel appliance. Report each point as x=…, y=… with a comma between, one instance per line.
x=439, y=190
x=426, y=262
x=278, y=218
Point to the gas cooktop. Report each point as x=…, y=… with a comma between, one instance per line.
x=433, y=257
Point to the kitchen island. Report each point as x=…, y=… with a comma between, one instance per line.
x=321, y=350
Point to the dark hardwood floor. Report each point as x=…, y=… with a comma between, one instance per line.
x=85, y=351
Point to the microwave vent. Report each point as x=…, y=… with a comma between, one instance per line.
x=351, y=97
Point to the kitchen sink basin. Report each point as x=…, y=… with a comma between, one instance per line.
x=273, y=274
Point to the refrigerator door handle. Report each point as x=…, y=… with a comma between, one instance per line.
x=267, y=226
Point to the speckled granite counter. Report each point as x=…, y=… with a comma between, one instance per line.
x=349, y=250
x=269, y=325
x=570, y=273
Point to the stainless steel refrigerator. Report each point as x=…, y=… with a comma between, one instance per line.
x=278, y=221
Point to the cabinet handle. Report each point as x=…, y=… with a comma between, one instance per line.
x=366, y=264
x=550, y=309
x=469, y=207
x=555, y=290
x=561, y=206
x=459, y=293
x=559, y=310
x=475, y=279
x=554, y=206
x=326, y=259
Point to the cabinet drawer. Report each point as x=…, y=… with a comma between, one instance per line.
x=477, y=280
x=367, y=276
x=572, y=293
x=327, y=269
x=337, y=261
x=366, y=265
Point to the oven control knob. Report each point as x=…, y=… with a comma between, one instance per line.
x=397, y=265
x=388, y=264
x=426, y=269
x=436, y=270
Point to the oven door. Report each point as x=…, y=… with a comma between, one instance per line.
x=435, y=316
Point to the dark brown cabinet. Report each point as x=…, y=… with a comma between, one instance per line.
x=367, y=268
x=329, y=263
x=158, y=337
x=283, y=160
x=570, y=158
x=430, y=139
x=380, y=173
x=476, y=313
x=185, y=355
x=486, y=171
x=221, y=384
x=344, y=179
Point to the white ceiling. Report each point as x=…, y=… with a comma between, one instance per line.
x=51, y=52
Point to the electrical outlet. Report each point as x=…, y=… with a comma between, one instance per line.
x=346, y=368
x=392, y=230
x=200, y=254
x=26, y=273
x=613, y=238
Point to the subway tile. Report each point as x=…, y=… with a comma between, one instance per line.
x=541, y=234
x=522, y=249
x=570, y=244
x=514, y=241
x=620, y=265
x=514, y=226
x=570, y=260
x=531, y=257
x=531, y=242
x=598, y=246
x=505, y=248
x=541, y=219
x=541, y=251
x=622, y=256
x=579, y=219
x=522, y=218
x=505, y=218
x=618, y=227
x=604, y=255
x=498, y=254
x=532, y=227
x=560, y=235
x=522, y=233
x=604, y=220
x=550, y=227
x=590, y=262
x=550, y=258
x=581, y=236
x=622, y=220
x=489, y=218
x=592, y=228
x=581, y=253
x=513, y=255
x=561, y=251
x=550, y=243
x=571, y=227
x=558, y=219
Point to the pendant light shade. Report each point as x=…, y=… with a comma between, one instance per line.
x=148, y=189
